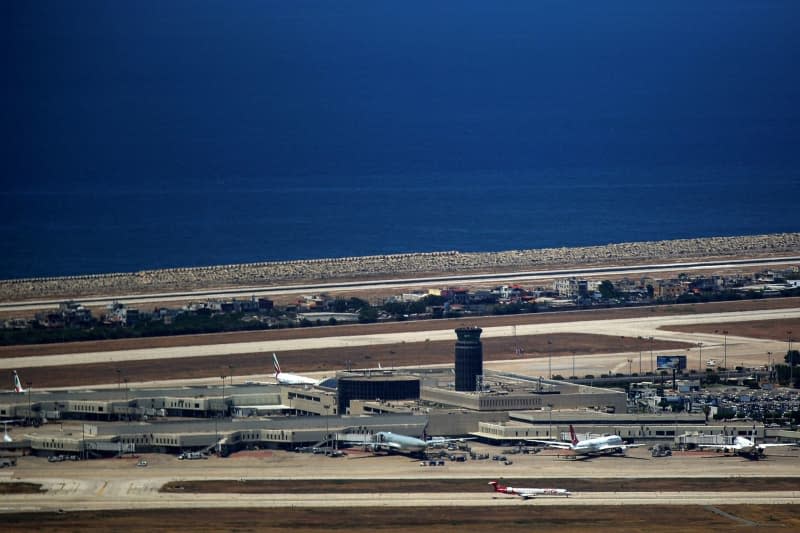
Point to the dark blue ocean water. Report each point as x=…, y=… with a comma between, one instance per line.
x=157, y=134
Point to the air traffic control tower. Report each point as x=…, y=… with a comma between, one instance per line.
x=469, y=358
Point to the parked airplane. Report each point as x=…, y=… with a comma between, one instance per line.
x=745, y=447
x=526, y=493
x=597, y=446
x=17, y=386
x=290, y=379
x=405, y=444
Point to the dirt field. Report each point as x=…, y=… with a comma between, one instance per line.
x=402, y=354
x=20, y=488
x=758, y=329
x=524, y=518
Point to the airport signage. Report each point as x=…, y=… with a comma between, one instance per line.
x=669, y=362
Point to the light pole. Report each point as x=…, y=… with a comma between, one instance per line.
x=550, y=426
x=119, y=384
x=700, y=360
x=573, y=365
x=549, y=359
x=230, y=369
x=30, y=414
x=769, y=366
x=652, y=371
x=630, y=372
x=640, y=360
x=222, y=377
x=725, y=349
x=791, y=359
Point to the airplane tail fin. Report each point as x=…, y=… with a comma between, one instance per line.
x=17, y=384
x=572, y=435
x=496, y=486
x=276, y=364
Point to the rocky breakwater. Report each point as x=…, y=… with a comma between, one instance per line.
x=282, y=272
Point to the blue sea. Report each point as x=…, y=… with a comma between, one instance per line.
x=149, y=134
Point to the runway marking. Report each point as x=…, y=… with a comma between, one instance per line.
x=102, y=489
x=730, y=516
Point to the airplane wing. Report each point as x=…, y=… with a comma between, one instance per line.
x=776, y=444
x=606, y=447
x=551, y=444
x=437, y=440
x=719, y=446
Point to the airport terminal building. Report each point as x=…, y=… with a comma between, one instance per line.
x=459, y=401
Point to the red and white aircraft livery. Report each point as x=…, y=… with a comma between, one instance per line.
x=597, y=446
x=526, y=493
x=17, y=385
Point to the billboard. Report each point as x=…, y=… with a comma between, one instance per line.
x=668, y=362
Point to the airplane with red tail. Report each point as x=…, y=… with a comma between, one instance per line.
x=527, y=493
x=609, y=444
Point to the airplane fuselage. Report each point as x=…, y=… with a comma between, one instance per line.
x=599, y=445
x=525, y=493
x=387, y=440
x=293, y=379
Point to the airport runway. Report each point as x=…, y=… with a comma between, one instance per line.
x=739, y=349
x=119, y=484
x=39, y=503
x=397, y=283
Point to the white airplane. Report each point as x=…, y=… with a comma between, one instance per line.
x=526, y=493
x=405, y=444
x=745, y=447
x=597, y=446
x=290, y=379
x=17, y=384
x=6, y=436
